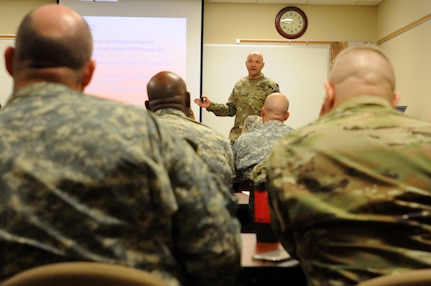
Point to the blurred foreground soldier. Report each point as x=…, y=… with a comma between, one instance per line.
x=86, y=179
x=351, y=192
x=169, y=98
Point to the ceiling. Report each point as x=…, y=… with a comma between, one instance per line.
x=305, y=2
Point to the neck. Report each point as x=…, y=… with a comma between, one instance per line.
x=60, y=75
x=158, y=103
x=270, y=118
x=254, y=76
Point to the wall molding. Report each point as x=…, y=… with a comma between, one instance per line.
x=288, y=42
x=404, y=29
x=7, y=36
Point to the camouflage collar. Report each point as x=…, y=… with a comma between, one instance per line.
x=364, y=100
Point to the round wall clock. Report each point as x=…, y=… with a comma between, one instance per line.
x=291, y=22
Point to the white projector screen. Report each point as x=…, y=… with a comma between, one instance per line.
x=135, y=39
x=125, y=61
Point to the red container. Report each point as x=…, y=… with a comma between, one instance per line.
x=261, y=207
x=262, y=217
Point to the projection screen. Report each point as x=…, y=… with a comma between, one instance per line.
x=135, y=39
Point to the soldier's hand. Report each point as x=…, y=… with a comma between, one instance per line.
x=203, y=101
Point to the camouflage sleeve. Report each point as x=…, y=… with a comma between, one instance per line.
x=258, y=174
x=220, y=109
x=230, y=160
x=206, y=232
x=271, y=85
x=279, y=214
x=275, y=86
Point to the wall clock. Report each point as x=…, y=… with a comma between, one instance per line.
x=291, y=22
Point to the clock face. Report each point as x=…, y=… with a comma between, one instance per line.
x=291, y=22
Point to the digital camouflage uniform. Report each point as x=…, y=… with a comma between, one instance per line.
x=214, y=149
x=247, y=98
x=350, y=193
x=252, y=147
x=87, y=179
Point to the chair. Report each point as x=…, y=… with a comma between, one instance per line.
x=420, y=277
x=83, y=274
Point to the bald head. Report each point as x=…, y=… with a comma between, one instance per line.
x=53, y=43
x=254, y=64
x=168, y=90
x=276, y=107
x=361, y=70
x=256, y=55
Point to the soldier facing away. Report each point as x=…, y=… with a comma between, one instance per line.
x=87, y=179
x=350, y=194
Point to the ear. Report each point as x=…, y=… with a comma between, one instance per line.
x=287, y=116
x=329, y=100
x=187, y=96
x=8, y=59
x=262, y=112
x=147, y=104
x=395, y=99
x=88, y=73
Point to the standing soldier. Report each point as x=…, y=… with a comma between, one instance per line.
x=247, y=97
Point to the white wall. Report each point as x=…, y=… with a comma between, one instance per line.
x=409, y=51
x=5, y=79
x=300, y=71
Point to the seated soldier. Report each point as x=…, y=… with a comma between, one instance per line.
x=169, y=99
x=252, y=147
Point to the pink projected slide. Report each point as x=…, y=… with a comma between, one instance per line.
x=130, y=50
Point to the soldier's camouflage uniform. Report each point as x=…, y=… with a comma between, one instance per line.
x=214, y=149
x=247, y=98
x=87, y=179
x=351, y=193
x=252, y=147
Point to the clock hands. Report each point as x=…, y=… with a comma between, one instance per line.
x=286, y=20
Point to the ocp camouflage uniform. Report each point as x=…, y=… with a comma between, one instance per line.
x=213, y=148
x=247, y=98
x=85, y=179
x=350, y=194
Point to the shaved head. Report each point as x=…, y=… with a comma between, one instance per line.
x=254, y=64
x=168, y=90
x=366, y=66
x=54, y=35
x=276, y=107
x=360, y=70
x=53, y=43
x=255, y=54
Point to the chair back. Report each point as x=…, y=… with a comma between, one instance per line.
x=83, y=274
x=420, y=277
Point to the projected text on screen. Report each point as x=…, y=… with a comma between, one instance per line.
x=130, y=50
